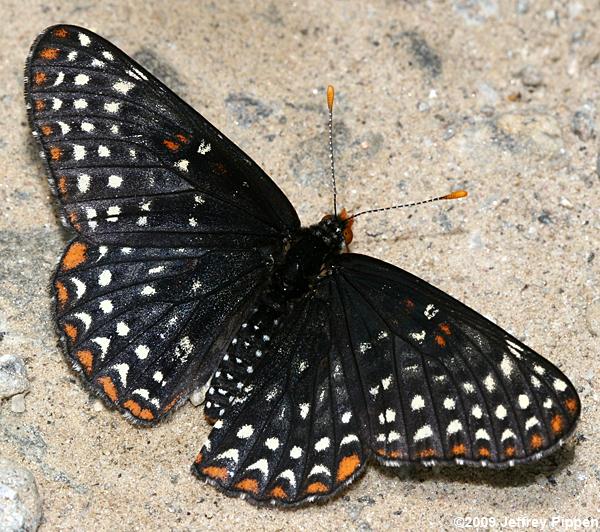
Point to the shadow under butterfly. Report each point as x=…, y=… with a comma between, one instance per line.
x=190, y=264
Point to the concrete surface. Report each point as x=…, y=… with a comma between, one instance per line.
x=496, y=97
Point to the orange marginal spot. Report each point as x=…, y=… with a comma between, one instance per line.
x=40, y=105
x=86, y=358
x=210, y=420
x=216, y=472
x=459, y=449
x=409, y=304
x=62, y=185
x=348, y=465
x=39, y=78
x=62, y=293
x=381, y=452
x=55, y=153
x=70, y=331
x=61, y=33
x=49, y=53
x=173, y=146
x=75, y=255
x=439, y=340
x=557, y=424
x=484, y=452
x=248, y=484
x=198, y=458
x=571, y=405
x=46, y=130
x=138, y=411
x=445, y=328
x=536, y=441
x=73, y=219
x=509, y=452
x=278, y=492
x=109, y=388
x=394, y=454
x=317, y=487
x=182, y=138
x=171, y=404
x=427, y=453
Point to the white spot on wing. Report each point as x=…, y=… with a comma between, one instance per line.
x=482, y=434
x=272, y=443
x=262, y=465
x=81, y=79
x=83, y=181
x=142, y=351
x=349, y=439
x=295, y=452
x=114, y=181
x=122, y=370
x=245, y=432
x=423, y=433
x=322, y=444
x=454, y=426
x=84, y=39
x=319, y=469
x=417, y=403
x=123, y=86
x=104, y=278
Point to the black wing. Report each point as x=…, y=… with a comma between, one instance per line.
x=376, y=362
x=160, y=200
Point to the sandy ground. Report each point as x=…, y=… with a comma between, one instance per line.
x=495, y=97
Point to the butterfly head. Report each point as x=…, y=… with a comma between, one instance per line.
x=339, y=226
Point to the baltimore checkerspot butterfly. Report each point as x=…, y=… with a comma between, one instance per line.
x=189, y=264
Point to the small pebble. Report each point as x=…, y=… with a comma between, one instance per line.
x=13, y=376
x=423, y=107
x=592, y=317
x=198, y=395
x=530, y=76
x=97, y=405
x=17, y=403
x=564, y=202
x=583, y=123
x=20, y=501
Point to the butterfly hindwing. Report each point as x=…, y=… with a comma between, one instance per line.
x=295, y=435
x=439, y=381
x=132, y=163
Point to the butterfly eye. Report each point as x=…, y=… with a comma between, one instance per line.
x=348, y=236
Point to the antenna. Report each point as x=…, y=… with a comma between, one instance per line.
x=330, y=95
x=453, y=195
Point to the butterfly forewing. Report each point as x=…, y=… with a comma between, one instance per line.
x=179, y=228
x=131, y=162
x=441, y=382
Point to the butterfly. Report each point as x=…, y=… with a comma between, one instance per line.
x=189, y=264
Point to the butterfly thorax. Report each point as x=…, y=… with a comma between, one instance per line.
x=308, y=255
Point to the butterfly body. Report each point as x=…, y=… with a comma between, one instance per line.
x=189, y=263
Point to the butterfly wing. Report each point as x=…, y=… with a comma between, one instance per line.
x=178, y=228
x=293, y=434
x=438, y=381
x=376, y=362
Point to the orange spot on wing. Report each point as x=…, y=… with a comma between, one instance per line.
x=216, y=472
x=46, y=130
x=183, y=138
x=278, y=492
x=219, y=168
x=70, y=331
x=484, y=452
x=348, y=465
x=427, y=453
x=40, y=105
x=509, y=452
x=248, y=484
x=198, y=458
x=557, y=424
x=571, y=405
x=61, y=33
x=536, y=441
x=86, y=359
x=109, y=388
x=381, y=452
x=73, y=219
x=459, y=449
x=445, y=328
x=394, y=454
x=439, y=340
x=62, y=185
x=210, y=420
x=409, y=304
x=39, y=78
x=49, y=53
x=55, y=153
x=75, y=255
x=62, y=294
x=171, y=404
x=138, y=411
x=173, y=146
x=317, y=487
